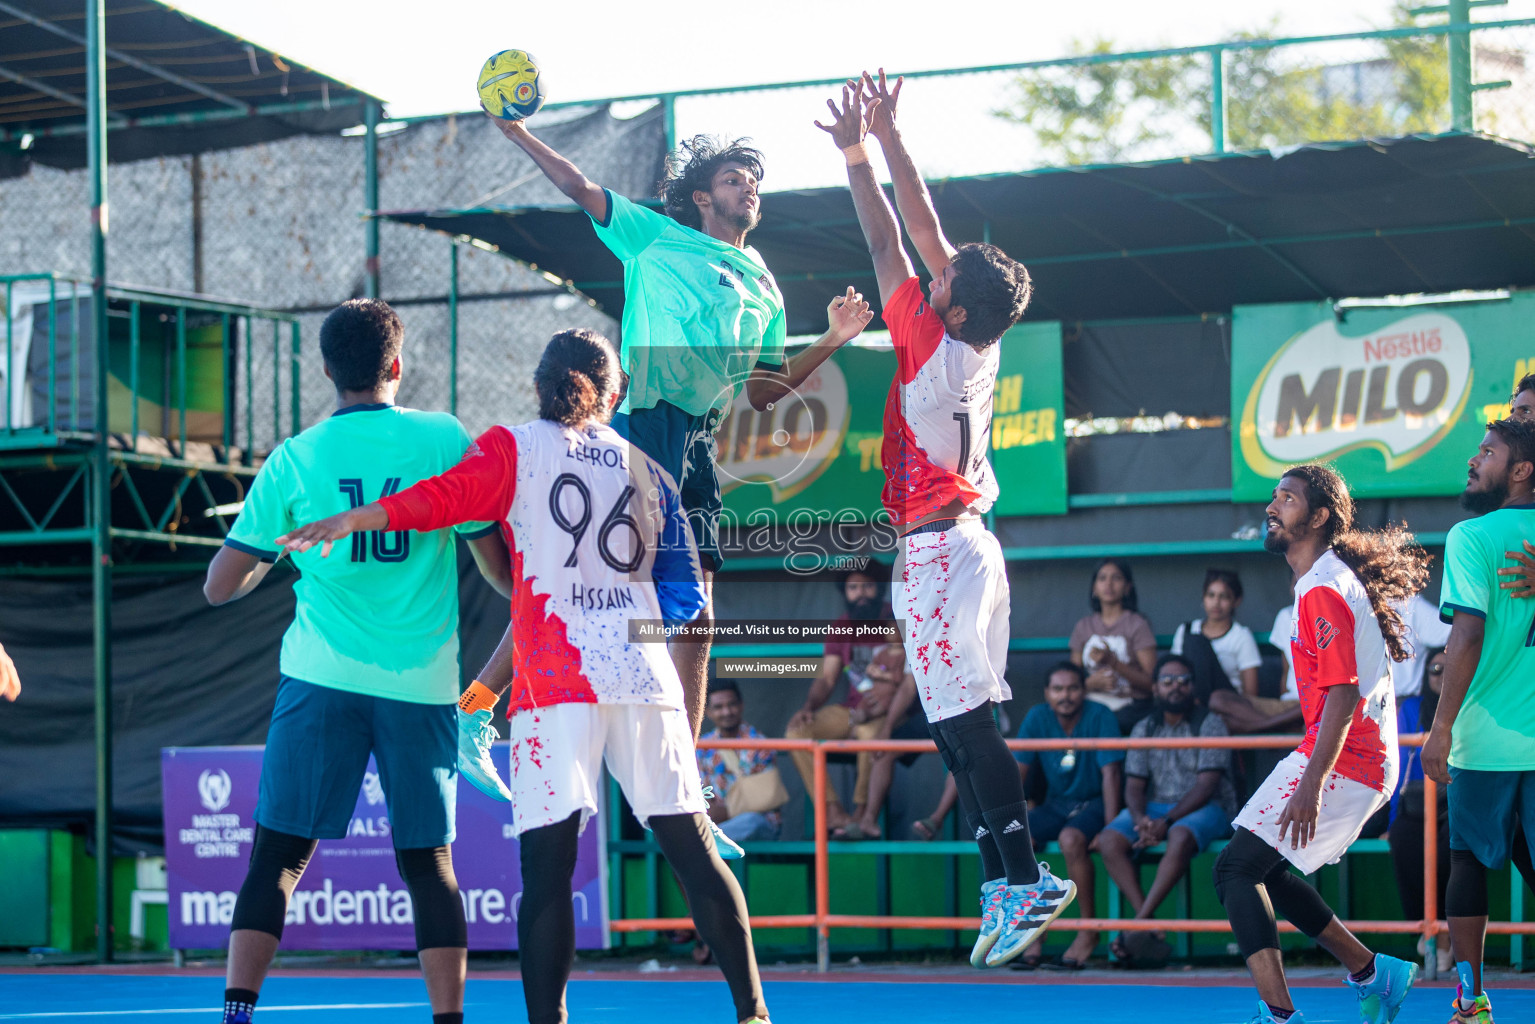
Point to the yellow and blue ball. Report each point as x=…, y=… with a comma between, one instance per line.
x=509, y=85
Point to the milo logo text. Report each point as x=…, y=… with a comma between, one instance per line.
x=790, y=444
x=1397, y=390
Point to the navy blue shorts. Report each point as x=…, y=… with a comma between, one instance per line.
x=317, y=753
x=684, y=446
x=1047, y=820
x=1484, y=807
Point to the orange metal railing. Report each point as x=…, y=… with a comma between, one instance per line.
x=823, y=920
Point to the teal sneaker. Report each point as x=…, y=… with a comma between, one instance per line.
x=475, y=735
x=1027, y=911
x=992, y=893
x=728, y=848
x=1381, y=998
x=1266, y=1016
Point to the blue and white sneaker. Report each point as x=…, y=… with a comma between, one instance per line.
x=728, y=848
x=1381, y=998
x=992, y=893
x=1027, y=911
x=475, y=735
x=1266, y=1016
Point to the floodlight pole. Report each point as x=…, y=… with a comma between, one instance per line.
x=1459, y=42
x=370, y=186
x=100, y=511
x=1218, y=100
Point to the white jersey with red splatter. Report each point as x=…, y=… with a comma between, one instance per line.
x=597, y=539
x=937, y=415
x=1336, y=640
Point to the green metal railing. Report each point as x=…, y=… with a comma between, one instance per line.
x=236, y=321
x=1212, y=101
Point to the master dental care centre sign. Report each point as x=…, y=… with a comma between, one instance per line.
x=351, y=895
x=1396, y=396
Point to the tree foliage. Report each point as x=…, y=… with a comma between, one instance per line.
x=1156, y=107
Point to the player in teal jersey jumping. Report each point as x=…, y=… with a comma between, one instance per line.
x=701, y=317
x=370, y=663
x=1483, y=741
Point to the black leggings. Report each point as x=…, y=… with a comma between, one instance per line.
x=1249, y=875
x=278, y=860
x=546, y=923
x=990, y=793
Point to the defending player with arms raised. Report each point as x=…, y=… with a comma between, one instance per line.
x=1483, y=741
x=701, y=315
x=598, y=538
x=1316, y=801
x=951, y=582
x=370, y=663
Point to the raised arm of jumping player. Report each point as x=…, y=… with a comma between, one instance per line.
x=566, y=176
x=911, y=195
x=849, y=124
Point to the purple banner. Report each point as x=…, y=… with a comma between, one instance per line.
x=351, y=896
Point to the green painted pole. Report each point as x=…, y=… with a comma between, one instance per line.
x=250, y=391
x=370, y=198
x=1218, y=100
x=453, y=326
x=294, y=376
x=101, y=469
x=133, y=369
x=669, y=120
x=1459, y=40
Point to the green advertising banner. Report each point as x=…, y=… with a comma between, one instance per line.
x=817, y=451
x=1395, y=397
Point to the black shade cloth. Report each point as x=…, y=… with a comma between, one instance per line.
x=184, y=675
x=256, y=95
x=1175, y=238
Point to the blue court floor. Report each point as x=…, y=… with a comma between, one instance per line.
x=389, y=998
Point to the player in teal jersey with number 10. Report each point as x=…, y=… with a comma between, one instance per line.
x=370, y=663
x=1483, y=739
x=702, y=316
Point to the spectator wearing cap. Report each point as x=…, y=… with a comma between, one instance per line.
x=861, y=714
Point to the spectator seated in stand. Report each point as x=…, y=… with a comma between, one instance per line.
x=846, y=661
x=1182, y=797
x=890, y=700
x=1223, y=657
x=1115, y=645
x=1082, y=790
x=747, y=788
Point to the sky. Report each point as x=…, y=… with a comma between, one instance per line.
x=422, y=57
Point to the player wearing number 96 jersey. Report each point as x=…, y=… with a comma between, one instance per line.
x=599, y=545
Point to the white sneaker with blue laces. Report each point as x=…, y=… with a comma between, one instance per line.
x=1027, y=910
x=992, y=893
x=728, y=848
x=1381, y=998
x=475, y=735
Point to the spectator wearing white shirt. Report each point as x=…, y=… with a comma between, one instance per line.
x=1280, y=635
x=1234, y=644
x=1425, y=630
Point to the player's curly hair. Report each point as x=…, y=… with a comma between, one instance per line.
x=1526, y=383
x=359, y=341
x=576, y=377
x=691, y=168
x=993, y=289
x=1389, y=562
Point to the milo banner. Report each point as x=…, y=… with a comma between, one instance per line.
x=1395, y=397
x=351, y=896
x=816, y=452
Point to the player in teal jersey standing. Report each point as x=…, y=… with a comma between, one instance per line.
x=701, y=317
x=1483, y=741
x=370, y=663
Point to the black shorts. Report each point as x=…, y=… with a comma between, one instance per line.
x=684, y=446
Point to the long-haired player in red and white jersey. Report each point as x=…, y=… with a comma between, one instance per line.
x=598, y=540
x=951, y=588
x=1345, y=633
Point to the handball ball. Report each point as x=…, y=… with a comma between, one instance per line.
x=509, y=85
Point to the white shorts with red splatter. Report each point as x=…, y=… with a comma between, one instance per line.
x=951, y=592
x=1345, y=807
x=557, y=754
